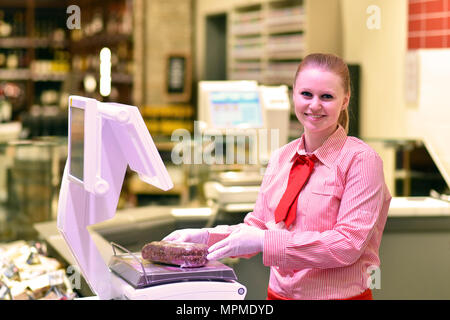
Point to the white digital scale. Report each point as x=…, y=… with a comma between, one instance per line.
x=103, y=139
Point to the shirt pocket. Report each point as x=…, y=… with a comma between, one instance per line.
x=327, y=190
x=322, y=207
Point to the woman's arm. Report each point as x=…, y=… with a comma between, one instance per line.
x=254, y=218
x=364, y=203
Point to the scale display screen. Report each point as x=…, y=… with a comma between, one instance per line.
x=235, y=109
x=76, y=143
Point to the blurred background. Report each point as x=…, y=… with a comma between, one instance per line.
x=161, y=55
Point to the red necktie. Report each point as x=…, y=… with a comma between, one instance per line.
x=300, y=172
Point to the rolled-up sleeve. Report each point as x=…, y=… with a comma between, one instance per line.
x=364, y=200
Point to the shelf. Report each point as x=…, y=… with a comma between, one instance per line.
x=248, y=41
x=247, y=54
x=101, y=40
x=116, y=77
x=287, y=55
x=15, y=74
x=267, y=42
x=25, y=42
x=246, y=14
x=286, y=20
x=258, y=76
x=269, y=38
x=26, y=74
x=285, y=40
x=283, y=75
x=45, y=48
x=247, y=29
x=49, y=77
x=288, y=28
x=39, y=40
x=245, y=65
x=280, y=72
x=36, y=3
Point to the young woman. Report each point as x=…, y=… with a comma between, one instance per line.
x=323, y=202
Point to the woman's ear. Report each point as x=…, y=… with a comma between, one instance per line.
x=346, y=101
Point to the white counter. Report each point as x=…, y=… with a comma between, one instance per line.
x=137, y=220
x=418, y=207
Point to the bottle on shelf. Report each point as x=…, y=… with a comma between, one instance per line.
x=5, y=26
x=18, y=28
x=12, y=61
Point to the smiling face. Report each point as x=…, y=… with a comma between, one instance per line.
x=319, y=97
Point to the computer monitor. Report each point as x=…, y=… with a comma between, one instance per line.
x=235, y=109
x=229, y=105
x=243, y=108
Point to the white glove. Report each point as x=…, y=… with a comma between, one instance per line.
x=242, y=241
x=189, y=235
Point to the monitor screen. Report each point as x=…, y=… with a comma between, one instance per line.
x=76, y=143
x=235, y=109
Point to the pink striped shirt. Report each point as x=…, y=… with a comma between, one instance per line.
x=332, y=246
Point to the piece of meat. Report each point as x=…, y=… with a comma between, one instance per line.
x=183, y=254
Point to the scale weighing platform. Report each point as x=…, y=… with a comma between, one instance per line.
x=103, y=140
x=144, y=279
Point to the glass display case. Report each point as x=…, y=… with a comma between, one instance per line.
x=413, y=169
x=30, y=175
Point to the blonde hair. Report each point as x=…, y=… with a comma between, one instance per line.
x=335, y=64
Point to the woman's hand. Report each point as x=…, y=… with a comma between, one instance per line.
x=242, y=241
x=189, y=235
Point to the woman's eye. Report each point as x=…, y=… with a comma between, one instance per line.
x=327, y=96
x=306, y=94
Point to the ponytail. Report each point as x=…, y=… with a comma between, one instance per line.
x=344, y=119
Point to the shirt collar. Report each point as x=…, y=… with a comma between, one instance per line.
x=329, y=150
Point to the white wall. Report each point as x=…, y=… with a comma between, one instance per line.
x=382, y=56
x=380, y=52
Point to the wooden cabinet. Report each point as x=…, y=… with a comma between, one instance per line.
x=34, y=56
x=44, y=58
x=104, y=24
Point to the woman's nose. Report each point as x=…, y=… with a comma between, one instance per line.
x=315, y=104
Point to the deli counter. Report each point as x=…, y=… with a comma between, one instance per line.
x=414, y=250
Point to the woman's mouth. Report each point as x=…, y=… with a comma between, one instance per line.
x=314, y=116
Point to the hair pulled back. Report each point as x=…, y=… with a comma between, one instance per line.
x=335, y=64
